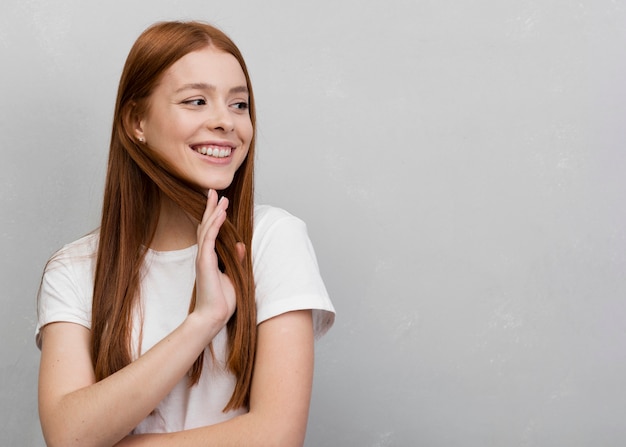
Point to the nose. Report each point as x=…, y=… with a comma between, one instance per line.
x=221, y=119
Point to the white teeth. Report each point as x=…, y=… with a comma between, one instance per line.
x=214, y=151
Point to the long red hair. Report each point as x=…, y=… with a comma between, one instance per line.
x=134, y=185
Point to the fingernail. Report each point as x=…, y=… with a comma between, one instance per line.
x=210, y=192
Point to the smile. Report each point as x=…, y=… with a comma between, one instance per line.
x=213, y=151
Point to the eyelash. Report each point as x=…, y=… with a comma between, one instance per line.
x=193, y=102
x=241, y=105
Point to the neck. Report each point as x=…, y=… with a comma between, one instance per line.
x=175, y=230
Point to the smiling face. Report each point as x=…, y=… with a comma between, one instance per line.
x=197, y=119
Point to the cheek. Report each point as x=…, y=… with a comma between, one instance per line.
x=248, y=131
x=163, y=124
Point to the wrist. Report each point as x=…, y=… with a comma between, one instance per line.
x=204, y=326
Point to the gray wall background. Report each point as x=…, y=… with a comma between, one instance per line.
x=460, y=165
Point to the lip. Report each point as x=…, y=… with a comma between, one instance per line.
x=219, y=143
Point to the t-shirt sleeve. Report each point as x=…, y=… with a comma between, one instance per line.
x=286, y=272
x=62, y=296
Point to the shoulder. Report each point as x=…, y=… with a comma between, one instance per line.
x=83, y=249
x=277, y=231
x=74, y=262
x=266, y=216
x=76, y=259
x=271, y=222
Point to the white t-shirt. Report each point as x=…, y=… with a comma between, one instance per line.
x=286, y=277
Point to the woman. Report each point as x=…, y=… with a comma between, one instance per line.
x=189, y=317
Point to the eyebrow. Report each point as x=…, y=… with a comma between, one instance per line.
x=210, y=87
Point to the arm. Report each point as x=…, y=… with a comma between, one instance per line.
x=280, y=393
x=75, y=410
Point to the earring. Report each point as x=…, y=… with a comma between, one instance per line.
x=142, y=140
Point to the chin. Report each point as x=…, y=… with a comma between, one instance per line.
x=217, y=185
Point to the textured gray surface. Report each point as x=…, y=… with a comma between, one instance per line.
x=460, y=166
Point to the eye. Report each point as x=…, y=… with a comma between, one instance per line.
x=242, y=105
x=195, y=102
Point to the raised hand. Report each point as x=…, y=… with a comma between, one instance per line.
x=215, y=295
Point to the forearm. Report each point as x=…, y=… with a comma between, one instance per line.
x=279, y=398
x=248, y=430
x=102, y=413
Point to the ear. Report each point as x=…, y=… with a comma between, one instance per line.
x=134, y=123
x=138, y=132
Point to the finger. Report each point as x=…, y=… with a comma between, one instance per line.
x=210, y=212
x=207, y=257
x=211, y=202
x=209, y=229
x=241, y=251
